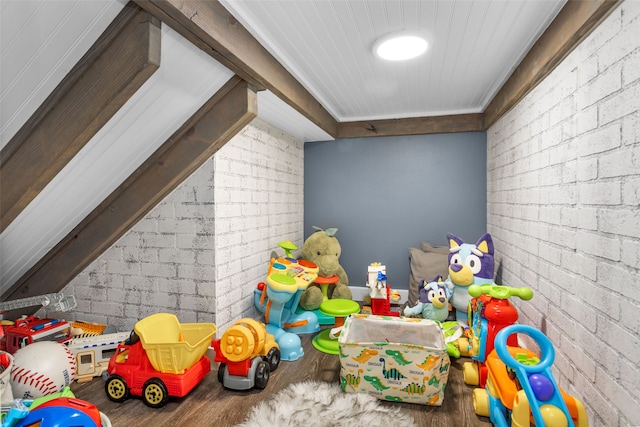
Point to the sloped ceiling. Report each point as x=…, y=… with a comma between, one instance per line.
x=184, y=81
x=306, y=65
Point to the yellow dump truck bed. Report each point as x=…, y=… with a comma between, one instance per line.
x=173, y=347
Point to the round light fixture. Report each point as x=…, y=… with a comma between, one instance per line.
x=399, y=46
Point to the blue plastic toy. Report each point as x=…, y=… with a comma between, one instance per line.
x=278, y=298
x=521, y=386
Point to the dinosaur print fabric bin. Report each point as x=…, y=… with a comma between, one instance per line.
x=397, y=359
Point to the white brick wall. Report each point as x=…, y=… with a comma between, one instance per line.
x=200, y=253
x=563, y=209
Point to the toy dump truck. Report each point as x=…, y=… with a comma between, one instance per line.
x=247, y=355
x=161, y=358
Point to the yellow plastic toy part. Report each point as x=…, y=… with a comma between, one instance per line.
x=173, y=347
x=521, y=414
x=581, y=419
x=237, y=343
x=470, y=373
x=242, y=340
x=553, y=416
x=258, y=329
x=481, y=402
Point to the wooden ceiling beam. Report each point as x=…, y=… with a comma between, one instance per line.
x=208, y=25
x=574, y=23
x=412, y=126
x=114, y=68
x=204, y=133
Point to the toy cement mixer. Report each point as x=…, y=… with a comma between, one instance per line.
x=247, y=355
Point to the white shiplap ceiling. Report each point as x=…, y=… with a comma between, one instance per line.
x=473, y=48
x=326, y=45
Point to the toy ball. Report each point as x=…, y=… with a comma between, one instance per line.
x=542, y=387
x=553, y=416
x=41, y=369
x=65, y=412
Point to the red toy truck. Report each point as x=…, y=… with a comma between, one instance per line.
x=31, y=329
x=161, y=358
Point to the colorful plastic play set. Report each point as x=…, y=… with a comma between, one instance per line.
x=394, y=355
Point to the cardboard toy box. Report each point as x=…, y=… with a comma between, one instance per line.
x=397, y=359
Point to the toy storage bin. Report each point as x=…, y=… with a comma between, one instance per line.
x=397, y=359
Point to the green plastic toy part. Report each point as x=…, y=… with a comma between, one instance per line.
x=500, y=292
x=331, y=232
x=288, y=246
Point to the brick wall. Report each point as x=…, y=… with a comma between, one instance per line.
x=200, y=253
x=563, y=170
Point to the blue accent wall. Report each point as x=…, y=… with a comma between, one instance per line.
x=386, y=194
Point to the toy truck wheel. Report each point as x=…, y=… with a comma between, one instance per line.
x=221, y=370
x=116, y=389
x=154, y=393
x=470, y=373
x=273, y=358
x=262, y=375
x=464, y=346
x=481, y=402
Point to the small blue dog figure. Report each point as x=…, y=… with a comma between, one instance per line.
x=434, y=300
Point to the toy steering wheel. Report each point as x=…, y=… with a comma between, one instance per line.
x=546, y=348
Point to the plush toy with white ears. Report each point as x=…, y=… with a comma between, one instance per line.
x=469, y=264
x=434, y=300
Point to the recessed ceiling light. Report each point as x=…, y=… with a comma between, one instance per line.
x=399, y=46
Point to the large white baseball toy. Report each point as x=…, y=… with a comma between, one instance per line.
x=41, y=369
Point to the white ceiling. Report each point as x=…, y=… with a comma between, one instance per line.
x=474, y=46
x=326, y=44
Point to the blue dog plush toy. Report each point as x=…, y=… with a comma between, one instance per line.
x=434, y=301
x=468, y=265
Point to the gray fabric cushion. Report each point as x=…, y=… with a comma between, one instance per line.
x=426, y=262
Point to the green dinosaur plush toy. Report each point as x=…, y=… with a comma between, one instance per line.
x=323, y=249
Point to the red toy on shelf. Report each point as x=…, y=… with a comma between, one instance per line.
x=382, y=306
x=161, y=358
x=380, y=292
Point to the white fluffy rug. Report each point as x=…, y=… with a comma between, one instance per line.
x=321, y=404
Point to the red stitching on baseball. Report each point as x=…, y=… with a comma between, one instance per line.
x=26, y=377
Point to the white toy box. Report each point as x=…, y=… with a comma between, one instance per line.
x=396, y=359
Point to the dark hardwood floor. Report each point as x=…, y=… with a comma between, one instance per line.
x=210, y=404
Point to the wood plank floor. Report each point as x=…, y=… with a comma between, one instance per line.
x=210, y=404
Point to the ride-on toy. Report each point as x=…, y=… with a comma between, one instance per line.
x=278, y=298
x=489, y=312
x=247, y=355
x=161, y=358
x=521, y=390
